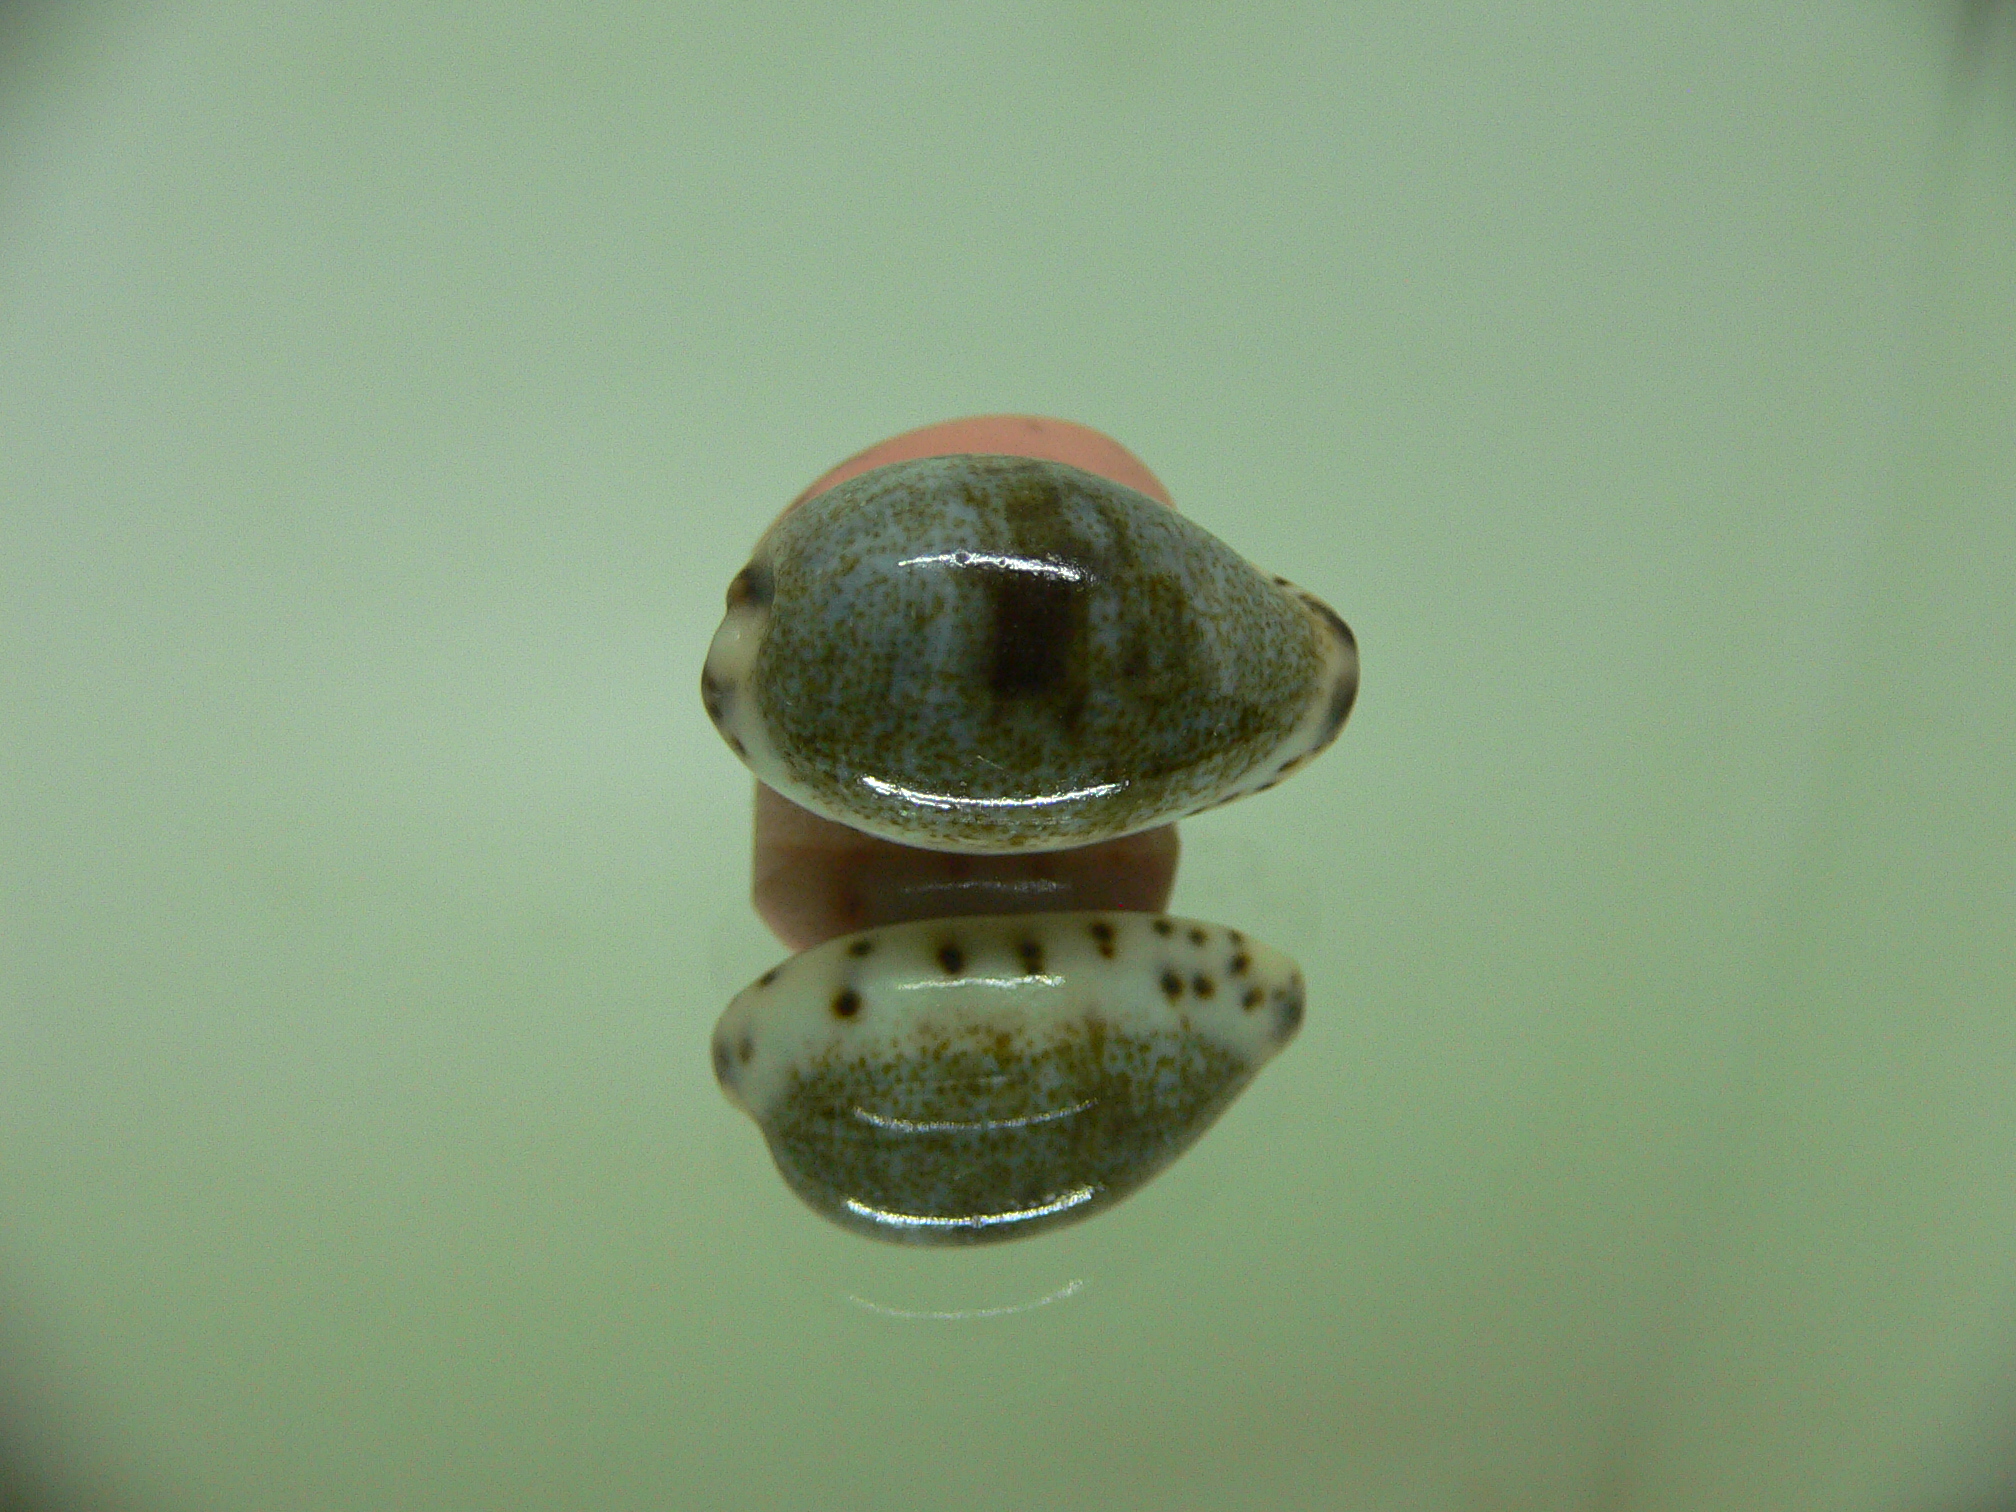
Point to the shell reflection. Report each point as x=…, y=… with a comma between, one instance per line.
x=958, y=1081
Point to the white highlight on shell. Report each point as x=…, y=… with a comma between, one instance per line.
x=1064, y=572
x=950, y=1125
x=1077, y=1197
x=950, y=802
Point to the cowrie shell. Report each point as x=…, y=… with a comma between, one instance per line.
x=980, y=653
x=956, y=1081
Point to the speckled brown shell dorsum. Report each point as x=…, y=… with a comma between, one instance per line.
x=978, y=653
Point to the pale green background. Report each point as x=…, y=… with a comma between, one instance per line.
x=387, y=393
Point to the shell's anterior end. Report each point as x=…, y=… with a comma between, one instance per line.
x=994, y=654
x=1334, y=690
x=959, y=1081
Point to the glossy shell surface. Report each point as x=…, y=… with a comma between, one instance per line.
x=977, y=653
x=964, y=1080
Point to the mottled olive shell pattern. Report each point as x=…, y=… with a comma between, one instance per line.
x=958, y=1081
x=979, y=653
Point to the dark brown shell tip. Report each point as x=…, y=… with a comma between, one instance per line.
x=714, y=695
x=752, y=585
x=1288, y=1009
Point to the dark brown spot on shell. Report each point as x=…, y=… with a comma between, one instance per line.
x=1238, y=964
x=1102, y=936
x=846, y=1003
x=1037, y=620
x=1037, y=646
x=1197, y=937
x=1253, y=999
x=752, y=585
x=714, y=695
x=1340, y=709
x=1235, y=937
x=1032, y=956
x=1164, y=928
x=860, y=948
x=1288, y=1008
x=735, y=745
x=1333, y=619
x=1346, y=691
x=745, y=1049
x=952, y=958
x=1172, y=985
x=768, y=977
x=1202, y=985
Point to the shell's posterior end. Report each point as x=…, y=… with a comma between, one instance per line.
x=1286, y=1003
x=732, y=1049
x=726, y=678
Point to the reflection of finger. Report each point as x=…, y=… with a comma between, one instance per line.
x=814, y=879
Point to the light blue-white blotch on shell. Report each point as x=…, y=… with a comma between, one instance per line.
x=979, y=653
x=957, y=1081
